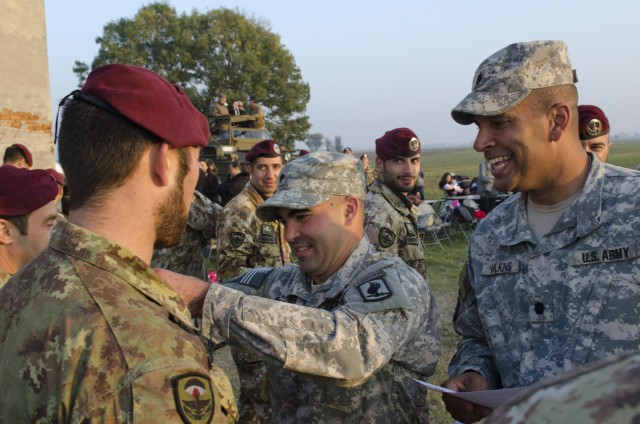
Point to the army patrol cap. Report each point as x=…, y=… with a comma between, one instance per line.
x=266, y=148
x=312, y=179
x=593, y=122
x=147, y=100
x=397, y=142
x=22, y=191
x=505, y=78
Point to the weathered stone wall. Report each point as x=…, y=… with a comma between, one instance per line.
x=25, y=105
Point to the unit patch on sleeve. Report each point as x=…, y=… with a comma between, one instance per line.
x=236, y=239
x=386, y=237
x=194, y=398
x=374, y=290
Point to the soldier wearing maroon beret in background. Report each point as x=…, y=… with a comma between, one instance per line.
x=18, y=155
x=27, y=216
x=391, y=220
x=88, y=331
x=245, y=242
x=594, y=131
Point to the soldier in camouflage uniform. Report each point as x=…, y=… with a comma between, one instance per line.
x=27, y=216
x=88, y=332
x=186, y=257
x=245, y=242
x=552, y=277
x=346, y=330
x=603, y=393
x=391, y=219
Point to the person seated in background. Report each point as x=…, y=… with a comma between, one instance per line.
x=450, y=186
x=417, y=194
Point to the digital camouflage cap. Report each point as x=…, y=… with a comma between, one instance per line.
x=506, y=77
x=312, y=179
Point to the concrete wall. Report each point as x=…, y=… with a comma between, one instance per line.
x=25, y=105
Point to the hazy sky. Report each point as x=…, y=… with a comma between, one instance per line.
x=377, y=65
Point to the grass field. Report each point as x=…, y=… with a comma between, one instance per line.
x=443, y=266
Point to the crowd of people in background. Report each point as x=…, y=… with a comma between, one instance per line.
x=107, y=311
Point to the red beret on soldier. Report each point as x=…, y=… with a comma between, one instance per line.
x=25, y=152
x=22, y=191
x=58, y=176
x=397, y=142
x=266, y=148
x=149, y=101
x=593, y=122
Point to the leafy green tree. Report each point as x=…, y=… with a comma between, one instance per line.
x=218, y=52
x=314, y=141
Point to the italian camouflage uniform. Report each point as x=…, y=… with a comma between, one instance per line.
x=187, y=258
x=391, y=223
x=531, y=309
x=369, y=174
x=246, y=242
x=4, y=277
x=88, y=332
x=344, y=351
x=605, y=392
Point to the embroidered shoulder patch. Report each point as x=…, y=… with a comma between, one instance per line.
x=374, y=290
x=194, y=398
x=386, y=237
x=236, y=239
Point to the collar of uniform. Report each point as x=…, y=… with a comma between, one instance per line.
x=403, y=206
x=81, y=243
x=586, y=213
x=4, y=277
x=349, y=270
x=253, y=194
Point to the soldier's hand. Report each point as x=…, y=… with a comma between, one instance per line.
x=190, y=289
x=461, y=410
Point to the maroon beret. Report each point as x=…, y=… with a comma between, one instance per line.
x=22, y=191
x=25, y=152
x=398, y=142
x=58, y=176
x=150, y=101
x=266, y=148
x=593, y=122
x=303, y=152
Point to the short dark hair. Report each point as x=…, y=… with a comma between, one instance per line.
x=13, y=154
x=98, y=150
x=21, y=222
x=541, y=99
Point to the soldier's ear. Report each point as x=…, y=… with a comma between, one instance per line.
x=160, y=163
x=351, y=208
x=6, y=235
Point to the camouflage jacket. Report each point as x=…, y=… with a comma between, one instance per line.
x=603, y=393
x=245, y=241
x=89, y=332
x=529, y=310
x=370, y=175
x=187, y=257
x=4, y=277
x=391, y=224
x=343, y=351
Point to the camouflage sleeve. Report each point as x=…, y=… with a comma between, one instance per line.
x=203, y=215
x=348, y=344
x=381, y=230
x=473, y=353
x=236, y=242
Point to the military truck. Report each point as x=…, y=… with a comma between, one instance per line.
x=242, y=137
